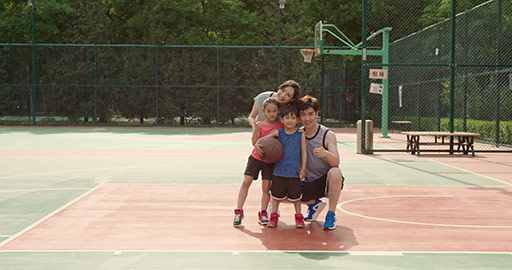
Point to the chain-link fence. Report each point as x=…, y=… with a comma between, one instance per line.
x=421, y=79
x=70, y=84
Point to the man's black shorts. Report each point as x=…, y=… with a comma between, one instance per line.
x=316, y=189
x=284, y=187
x=254, y=167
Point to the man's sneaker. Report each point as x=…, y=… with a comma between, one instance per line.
x=263, y=218
x=239, y=215
x=330, y=221
x=274, y=218
x=299, y=221
x=314, y=210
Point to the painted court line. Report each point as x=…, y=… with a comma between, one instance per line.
x=3, y=243
x=481, y=175
x=340, y=207
x=42, y=189
x=238, y=252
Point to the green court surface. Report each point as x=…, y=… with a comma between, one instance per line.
x=249, y=260
x=44, y=170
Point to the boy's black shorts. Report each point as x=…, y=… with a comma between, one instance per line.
x=254, y=167
x=283, y=187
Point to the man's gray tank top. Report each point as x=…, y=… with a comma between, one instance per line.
x=258, y=100
x=316, y=167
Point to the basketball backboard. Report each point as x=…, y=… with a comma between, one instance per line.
x=318, y=38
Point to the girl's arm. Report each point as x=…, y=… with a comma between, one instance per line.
x=255, y=135
x=257, y=145
x=304, y=157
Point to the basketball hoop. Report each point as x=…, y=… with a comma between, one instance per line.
x=308, y=54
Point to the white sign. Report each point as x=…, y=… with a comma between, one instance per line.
x=378, y=74
x=400, y=96
x=376, y=88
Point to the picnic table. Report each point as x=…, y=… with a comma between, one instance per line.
x=464, y=141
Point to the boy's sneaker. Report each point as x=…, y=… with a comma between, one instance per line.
x=314, y=210
x=299, y=221
x=239, y=215
x=330, y=221
x=274, y=218
x=269, y=210
x=263, y=218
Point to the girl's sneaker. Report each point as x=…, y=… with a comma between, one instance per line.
x=274, y=218
x=263, y=218
x=239, y=215
x=299, y=221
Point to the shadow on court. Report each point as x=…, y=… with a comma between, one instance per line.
x=312, y=237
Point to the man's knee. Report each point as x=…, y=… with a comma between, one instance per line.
x=335, y=177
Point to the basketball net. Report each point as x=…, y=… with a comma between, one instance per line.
x=308, y=54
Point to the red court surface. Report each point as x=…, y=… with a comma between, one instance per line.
x=199, y=217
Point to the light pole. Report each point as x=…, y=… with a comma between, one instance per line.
x=33, y=5
x=281, y=6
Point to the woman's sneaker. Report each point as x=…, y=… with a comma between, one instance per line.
x=314, y=210
x=263, y=218
x=239, y=215
x=274, y=218
x=330, y=221
x=299, y=221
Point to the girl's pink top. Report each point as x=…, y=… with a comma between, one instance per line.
x=264, y=131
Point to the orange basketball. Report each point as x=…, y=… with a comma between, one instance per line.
x=272, y=150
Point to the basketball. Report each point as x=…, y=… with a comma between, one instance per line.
x=272, y=150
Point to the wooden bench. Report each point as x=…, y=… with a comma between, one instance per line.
x=402, y=125
x=465, y=141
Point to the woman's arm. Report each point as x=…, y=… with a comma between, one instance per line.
x=252, y=116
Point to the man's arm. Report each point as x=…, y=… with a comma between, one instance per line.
x=331, y=150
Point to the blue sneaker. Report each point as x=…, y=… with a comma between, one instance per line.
x=330, y=221
x=314, y=210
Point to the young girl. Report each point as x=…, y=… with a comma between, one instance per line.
x=291, y=168
x=255, y=164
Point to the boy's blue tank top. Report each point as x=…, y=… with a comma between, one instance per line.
x=289, y=164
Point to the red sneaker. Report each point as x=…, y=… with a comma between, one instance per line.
x=274, y=218
x=263, y=218
x=239, y=215
x=299, y=221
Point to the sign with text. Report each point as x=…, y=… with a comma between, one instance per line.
x=376, y=88
x=378, y=74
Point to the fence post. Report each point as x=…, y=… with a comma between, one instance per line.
x=452, y=74
x=497, y=76
x=156, y=84
x=218, y=89
x=95, y=88
x=363, y=78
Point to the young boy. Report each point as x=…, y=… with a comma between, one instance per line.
x=291, y=168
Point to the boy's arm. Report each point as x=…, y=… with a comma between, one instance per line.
x=331, y=153
x=257, y=145
x=304, y=157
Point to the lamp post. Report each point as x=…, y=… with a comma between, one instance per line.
x=33, y=94
x=281, y=6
